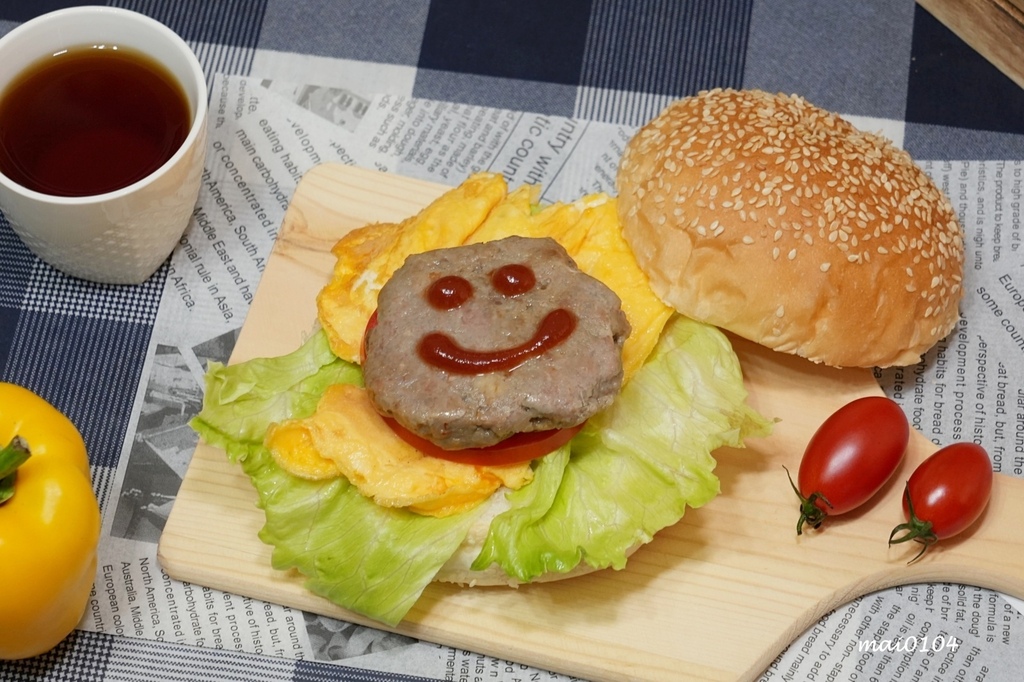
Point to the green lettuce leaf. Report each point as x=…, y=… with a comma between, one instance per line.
x=243, y=400
x=635, y=467
x=632, y=471
x=362, y=556
x=366, y=558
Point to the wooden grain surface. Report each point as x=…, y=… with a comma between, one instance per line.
x=994, y=28
x=715, y=597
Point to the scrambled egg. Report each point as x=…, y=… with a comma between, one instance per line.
x=367, y=257
x=347, y=437
x=588, y=229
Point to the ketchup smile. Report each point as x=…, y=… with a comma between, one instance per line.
x=443, y=352
x=451, y=291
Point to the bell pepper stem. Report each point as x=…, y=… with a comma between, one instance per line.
x=11, y=457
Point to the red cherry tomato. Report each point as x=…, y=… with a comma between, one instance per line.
x=945, y=494
x=849, y=458
x=521, y=447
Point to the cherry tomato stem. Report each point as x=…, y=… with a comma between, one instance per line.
x=914, y=529
x=810, y=512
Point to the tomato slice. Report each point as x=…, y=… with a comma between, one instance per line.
x=521, y=447
x=370, y=324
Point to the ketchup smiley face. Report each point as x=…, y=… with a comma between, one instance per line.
x=512, y=280
x=475, y=343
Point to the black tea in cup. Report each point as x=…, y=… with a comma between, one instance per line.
x=90, y=120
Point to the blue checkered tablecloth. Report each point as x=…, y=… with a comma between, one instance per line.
x=84, y=346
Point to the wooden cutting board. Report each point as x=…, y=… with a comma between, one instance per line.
x=715, y=597
x=994, y=28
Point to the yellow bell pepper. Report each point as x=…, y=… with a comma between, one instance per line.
x=49, y=525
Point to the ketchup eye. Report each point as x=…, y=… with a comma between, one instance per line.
x=449, y=292
x=513, y=279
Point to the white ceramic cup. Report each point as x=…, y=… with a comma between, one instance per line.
x=119, y=237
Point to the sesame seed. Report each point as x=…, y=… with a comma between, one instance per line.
x=775, y=154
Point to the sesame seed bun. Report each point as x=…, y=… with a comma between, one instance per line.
x=782, y=223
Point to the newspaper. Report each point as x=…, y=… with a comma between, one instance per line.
x=265, y=135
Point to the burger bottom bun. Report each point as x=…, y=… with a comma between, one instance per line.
x=457, y=569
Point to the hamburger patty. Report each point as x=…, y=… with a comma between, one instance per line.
x=476, y=343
